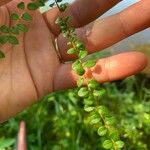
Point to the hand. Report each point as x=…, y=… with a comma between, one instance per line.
x=2, y=2
x=32, y=69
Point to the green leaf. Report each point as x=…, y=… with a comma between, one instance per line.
x=89, y=63
x=63, y=7
x=83, y=92
x=82, y=54
x=77, y=67
x=114, y=135
x=102, y=131
x=22, y=27
x=110, y=120
x=21, y=5
x=88, y=101
x=93, y=84
x=88, y=108
x=13, y=40
x=52, y=5
x=32, y=6
x=3, y=39
x=99, y=93
x=5, y=143
x=68, y=19
x=27, y=17
x=4, y=29
x=71, y=30
x=108, y=144
x=14, y=30
x=40, y=3
x=95, y=120
x=2, y=55
x=120, y=144
x=71, y=51
x=14, y=16
x=80, y=45
x=102, y=110
x=64, y=30
x=80, y=82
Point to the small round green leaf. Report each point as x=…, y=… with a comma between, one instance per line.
x=22, y=27
x=95, y=120
x=77, y=67
x=21, y=5
x=88, y=108
x=27, y=17
x=71, y=51
x=99, y=93
x=93, y=84
x=80, y=82
x=120, y=144
x=14, y=30
x=108, y=144
x=88, y=101
x=102, y=110
x=4, y=29
x=13, y=40
x=83, y=54
x=63, y=7
x=89, y=63
x=83, y=92
x=3, y=39
x=114, y=135
x=52, y=4
x=110, y=120
x=40, y=3
x=14, y=16
x=80, y=45
x=68, y=19
x=32, y=6
x=102, y=131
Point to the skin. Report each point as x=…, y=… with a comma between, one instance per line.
x=32, y=68
x=21, y=142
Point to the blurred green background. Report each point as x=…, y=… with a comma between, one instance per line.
x=58, y=122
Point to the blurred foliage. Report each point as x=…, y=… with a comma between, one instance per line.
x=58, y=122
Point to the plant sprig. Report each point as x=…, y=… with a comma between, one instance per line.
x=10, y=34
x=99, y=116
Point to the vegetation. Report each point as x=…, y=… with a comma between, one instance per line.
x=59, y=122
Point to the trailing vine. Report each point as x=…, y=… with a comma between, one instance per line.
x=98, y=115
x=9, y=34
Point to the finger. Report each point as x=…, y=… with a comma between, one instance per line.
x=106, y=69
x=106, y=32
x=82, y=12
x=21, y=145
x=2, y=2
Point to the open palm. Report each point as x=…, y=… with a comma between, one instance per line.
x=32, y=68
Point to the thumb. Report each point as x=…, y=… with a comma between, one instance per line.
x=21, y=143
x=2, y=2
